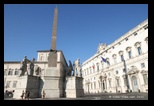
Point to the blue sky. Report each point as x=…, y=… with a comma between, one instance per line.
x=80, y=28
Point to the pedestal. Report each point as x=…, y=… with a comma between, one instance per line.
x=74, y=87
x=53, y=83
x=27, y=83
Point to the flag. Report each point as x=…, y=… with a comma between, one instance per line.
x=103, y=59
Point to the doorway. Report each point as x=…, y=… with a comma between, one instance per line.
x=134, y=84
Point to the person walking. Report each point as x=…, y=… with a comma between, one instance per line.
x=25, y=95
x=43, y=94
x=22, y=95
x=28, y=94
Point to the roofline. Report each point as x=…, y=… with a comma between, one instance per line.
x=12, y=61
x=47, y=50
x=39, y=61
x=20, y=62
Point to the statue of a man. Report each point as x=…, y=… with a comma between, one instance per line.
x=24, y=66
x=32, y=66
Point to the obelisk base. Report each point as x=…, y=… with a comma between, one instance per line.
x=53, y=85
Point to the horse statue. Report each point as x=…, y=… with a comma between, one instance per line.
x=70, y=71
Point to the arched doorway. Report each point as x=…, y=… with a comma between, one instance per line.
x=134, y=84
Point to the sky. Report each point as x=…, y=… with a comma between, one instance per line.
x=80, y=28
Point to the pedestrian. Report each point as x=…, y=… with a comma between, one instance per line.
x=22, y=95
x=43, y=94
x=28, y=94
x=25, y=95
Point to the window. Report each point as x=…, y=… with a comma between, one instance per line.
x=108, y=63
x=122, y=57
x=128, y=49
x=116, y=72
x=14, y=84
x=126, y=39
x=114, y=58
x=146, y=27
x=135, y=34
x=8, y=84
x=145, y=79
x=139, y=50
x=108, y=74
x=146, y=39
x=10, y=72
x=138, y=46
x=129, y=54
x=16, y=72
x=142, y=65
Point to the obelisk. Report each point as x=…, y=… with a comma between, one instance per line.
x=53, y=53
x=53, y=79
x=53, y=43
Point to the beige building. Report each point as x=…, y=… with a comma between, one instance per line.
x=124, y=66
x=11, y=69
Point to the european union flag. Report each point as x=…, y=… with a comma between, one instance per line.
x=103, y=59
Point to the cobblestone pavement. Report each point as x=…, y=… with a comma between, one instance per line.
x=103, y=96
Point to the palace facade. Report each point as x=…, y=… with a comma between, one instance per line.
x=121, y=66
